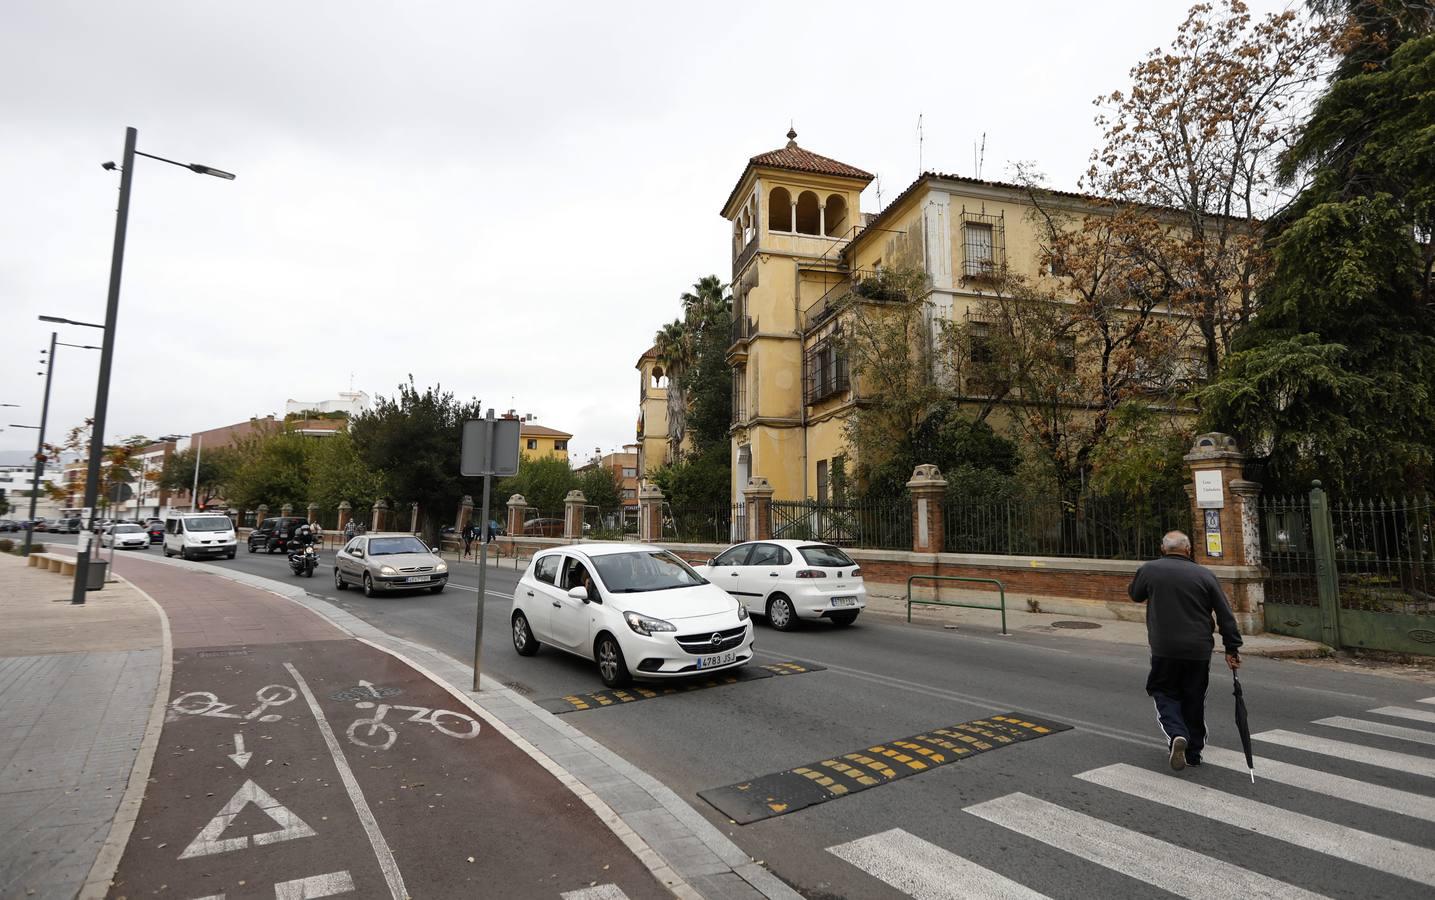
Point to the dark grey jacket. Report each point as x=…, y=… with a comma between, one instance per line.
x=1180, y=597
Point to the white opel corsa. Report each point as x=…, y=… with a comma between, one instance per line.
x=637, y=610
x=790, y=580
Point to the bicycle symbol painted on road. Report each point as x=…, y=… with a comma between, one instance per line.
x=205, y=703
x=376, y=734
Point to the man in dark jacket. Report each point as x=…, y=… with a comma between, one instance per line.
x=1181, y=597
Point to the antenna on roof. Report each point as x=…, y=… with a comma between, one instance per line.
x=919, y=145
x=879, y=193
x=979, y=159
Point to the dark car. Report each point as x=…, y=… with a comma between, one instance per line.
x=155, y=529
x=273, y=535
x=543, y=528
x=10, y=525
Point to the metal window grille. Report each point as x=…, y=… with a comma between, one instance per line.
x=983, y=244
x=739, y=394
x=824, y=372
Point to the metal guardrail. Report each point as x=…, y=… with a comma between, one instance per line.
x=1001, y=592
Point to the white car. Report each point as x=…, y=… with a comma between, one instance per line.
x=125, y=537
x=637, y=610
x=790, y=580
x=196, y=535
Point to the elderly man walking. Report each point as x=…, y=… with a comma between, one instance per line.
x=1181, y=597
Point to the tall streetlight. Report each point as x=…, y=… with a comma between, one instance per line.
x=49, y=363
x=198, y=449
x=112, y=310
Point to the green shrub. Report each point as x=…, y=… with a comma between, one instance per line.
x=7, y=545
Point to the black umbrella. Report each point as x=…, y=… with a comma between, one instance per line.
x=1242, y=726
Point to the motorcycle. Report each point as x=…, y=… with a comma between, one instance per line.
x=304, y=562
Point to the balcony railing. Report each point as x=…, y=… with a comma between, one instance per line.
x=743, y=327
x=865, y=285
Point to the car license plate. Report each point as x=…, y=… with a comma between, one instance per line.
x=844, y=601
x=414, y=579
x=721, y=659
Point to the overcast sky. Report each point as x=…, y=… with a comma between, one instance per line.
x=505, y=199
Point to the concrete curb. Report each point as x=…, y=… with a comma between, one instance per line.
x=683, y=850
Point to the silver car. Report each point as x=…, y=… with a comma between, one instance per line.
x=125, y=537
x=380, y=563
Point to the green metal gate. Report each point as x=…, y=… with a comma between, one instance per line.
x=1352, y=574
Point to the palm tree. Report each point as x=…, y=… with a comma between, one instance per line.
x=673, y=343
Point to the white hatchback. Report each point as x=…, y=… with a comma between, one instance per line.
x=637, y=610
x=791, y=580
x=126, y=537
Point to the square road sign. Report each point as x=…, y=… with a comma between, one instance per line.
x=490, y=447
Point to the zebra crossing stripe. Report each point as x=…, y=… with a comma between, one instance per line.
x=924, y=871
x=1377, y=796
x=1183, y=872
x=1401, y=712
x=1399, y=732
x=1426, y=700
x=1370, y=756
x=1350, y=844
x=596, y=892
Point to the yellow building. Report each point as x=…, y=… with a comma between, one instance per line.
x=653, y=450
x=538, y=441
x=800, y=247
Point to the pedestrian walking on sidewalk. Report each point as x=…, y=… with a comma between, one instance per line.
x=1181, y=598
x=468, y=535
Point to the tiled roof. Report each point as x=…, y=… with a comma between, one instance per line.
x=530, y=430
x=795, y=159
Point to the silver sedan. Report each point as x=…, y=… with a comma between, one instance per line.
x=379, y=563
x=125, y=537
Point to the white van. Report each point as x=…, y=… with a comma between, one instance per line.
x=199, y=534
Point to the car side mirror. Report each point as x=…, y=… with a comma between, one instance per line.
x=711, y=562
x=579, y=592
x=358, y=553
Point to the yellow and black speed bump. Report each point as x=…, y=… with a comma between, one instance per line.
x=818, y=782
x=599, y=699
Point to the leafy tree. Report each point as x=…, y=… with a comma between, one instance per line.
x=270, y=467
x=600, y=487
x=699, y=482
x=338, y=473
x=543, y=482
x=1335, y=377
x=4, y=505
x=216, y=467
x=413, y=438
x=693, y=348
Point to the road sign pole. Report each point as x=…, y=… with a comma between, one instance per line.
x=482, y=455
x=482, y=580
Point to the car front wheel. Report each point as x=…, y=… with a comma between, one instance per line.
x=368, y=585
x=523, y=640
x=339, y=581
x=780, y=613
x=611, y=666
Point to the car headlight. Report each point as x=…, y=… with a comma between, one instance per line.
x=388, y=570
x=441, y=567
x=741, y=611
x=646, y=625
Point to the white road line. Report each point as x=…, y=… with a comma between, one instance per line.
x=1401, y=712
x=1363, y=792
x=925, y=871
x=1360, y=847
x=1370, y=756
x=1426, y=700
x=1399, y=732
x=1183, y=872
x=315, y=886
x=382, y=853
x=597, y=892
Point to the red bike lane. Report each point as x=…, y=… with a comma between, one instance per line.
x=297, y=762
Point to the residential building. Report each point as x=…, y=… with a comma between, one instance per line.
x=539, y=441
x=654, y=450
x=350, y=403
x=624, y=467
x=17, y=474
x=801, y=246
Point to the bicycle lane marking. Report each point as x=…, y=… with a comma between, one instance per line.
x=382, y=853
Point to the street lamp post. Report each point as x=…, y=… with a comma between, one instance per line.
x=198, y=448
x=112, y=310
x=40, y=442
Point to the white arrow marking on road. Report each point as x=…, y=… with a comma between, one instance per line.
x=209, y=841
x=370, y=688
x=241, y=759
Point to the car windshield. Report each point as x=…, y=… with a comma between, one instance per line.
x=390, y=546
x=822, y=555
x=127, y=529
x=642, y=571
x=208, y=523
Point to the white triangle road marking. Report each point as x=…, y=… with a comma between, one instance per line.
x=1183, y=872
x=1360, y=847
x=1426, y=700
x=597, y=892
x=1415, y=735
x=1377, y=796
x=210, y=840
x=1401, y=712
x=1370, y=756
x=925, y=871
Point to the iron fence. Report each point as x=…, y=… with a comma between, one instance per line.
x=1287, y=551
x=1090, y=527
x=1383, y=554
x=721, y=524
x=880, y=525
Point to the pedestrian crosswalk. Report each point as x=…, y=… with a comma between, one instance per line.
x=918, y=868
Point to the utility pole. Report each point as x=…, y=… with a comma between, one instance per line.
x=40, y=447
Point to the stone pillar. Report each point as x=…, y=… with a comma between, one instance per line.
x=313, y=510
x=1225, y=519
x=261, y=514
x=573, y=514
x=928, y=489
x=757, y=498
x=465, y=512
x=516, y=506
x=346, y=512
x=380, y=515
x=286, y=510
x=650, y=513
x=413, y=517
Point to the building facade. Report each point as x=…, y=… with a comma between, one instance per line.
x=540, y=442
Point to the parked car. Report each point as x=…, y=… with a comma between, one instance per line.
x=199, y=534
x=791, y=580
x=543, y=528
x=273, y=535
x=98, y=526
x=125, y=537
x=41, y=524
x=72, y=525
x=383, y=562
x=155, y=530
x=8, y=525
x=636, y=610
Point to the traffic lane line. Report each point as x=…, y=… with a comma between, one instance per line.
x=874, y=765
x=577, y=702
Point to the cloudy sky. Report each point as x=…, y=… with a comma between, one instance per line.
x=505, y=199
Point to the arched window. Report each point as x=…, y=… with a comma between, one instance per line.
x=779, y=210
x=808, y=214
x=658, y=377
x=836, y=215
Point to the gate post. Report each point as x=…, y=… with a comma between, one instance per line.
x=758, y=497
x=1327, y=579
x=381, y=514
x=928, y=488
x=1225, y=525
x=346, y=512
x=650, y=513
x=516, y=506
x=573, y=514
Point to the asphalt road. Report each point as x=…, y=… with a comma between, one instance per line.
x=1107, y=777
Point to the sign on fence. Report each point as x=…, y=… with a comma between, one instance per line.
x=1209, y=493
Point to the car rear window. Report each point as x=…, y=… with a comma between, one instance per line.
x=823, y=555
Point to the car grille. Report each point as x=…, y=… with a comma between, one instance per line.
x=416, y=569
x=702, y=644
